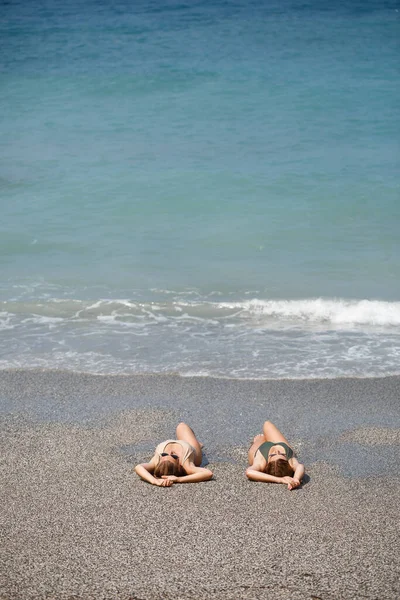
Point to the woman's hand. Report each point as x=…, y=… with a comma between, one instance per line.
x=170, y=479
x=291, y=482
x=163, y=482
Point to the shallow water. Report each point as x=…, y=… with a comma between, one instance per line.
x=201, y=189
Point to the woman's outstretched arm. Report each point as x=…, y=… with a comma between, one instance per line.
x=194, y=475
x=298, y=470
x=255, y=475
x=145, y=471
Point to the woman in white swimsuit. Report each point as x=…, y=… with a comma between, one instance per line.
x=176, y=461
x=271, y=459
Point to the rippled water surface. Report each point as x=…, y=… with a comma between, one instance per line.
x=200, y=189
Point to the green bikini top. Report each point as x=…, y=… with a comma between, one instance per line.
x=266, y=447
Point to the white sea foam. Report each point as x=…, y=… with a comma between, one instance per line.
x=247, y=339
x=5, y=321
x=336, y=312
x=42, y=320
x=195, y=374
x=329, y=313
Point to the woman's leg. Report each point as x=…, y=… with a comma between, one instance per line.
x=258, y=440
x=186, y=434
x=272, y=433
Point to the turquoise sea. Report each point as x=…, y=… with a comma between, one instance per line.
x=204, y=188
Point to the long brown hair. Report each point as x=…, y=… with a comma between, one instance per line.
x=167, y=467
x=279, y=468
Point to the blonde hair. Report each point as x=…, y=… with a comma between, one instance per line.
x=167, y=467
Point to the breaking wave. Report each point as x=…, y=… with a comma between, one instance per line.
x=329, y=312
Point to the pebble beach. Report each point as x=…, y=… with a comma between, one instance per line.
x=76, y=521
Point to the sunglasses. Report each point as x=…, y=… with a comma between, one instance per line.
x=166, y=454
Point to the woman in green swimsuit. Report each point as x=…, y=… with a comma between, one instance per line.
x=271, y=459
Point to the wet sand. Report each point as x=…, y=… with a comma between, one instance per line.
x=77, y=523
